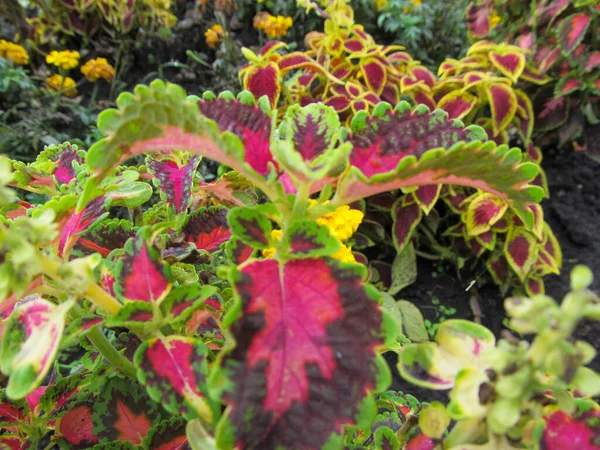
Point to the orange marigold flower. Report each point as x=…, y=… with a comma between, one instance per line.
x=58, y=83
x=214, y=35
x=98, y=68
x=273, y=26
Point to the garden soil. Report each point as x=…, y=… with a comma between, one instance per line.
x=573, y=213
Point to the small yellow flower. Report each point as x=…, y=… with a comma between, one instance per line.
x=342, y=224
x=98, y=68
x=57, y=83
x=14, y=52
x=494, y=20
x=380, y=4
x=65, y=59
x=214, y=35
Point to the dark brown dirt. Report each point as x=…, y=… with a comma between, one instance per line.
x=573, y=213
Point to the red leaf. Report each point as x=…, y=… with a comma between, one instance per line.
x=174, y=372
x=406, y=218
x=338, y=102
x=79, y=222
x=375, y=75
x=421, y=442
x=483, y=212
x=384, y=142
x=142, y=274
x=105, y=238
x=247, y=122
x=592, y=61
x=64, y=171
x=175, y=181
x=300, y=60
x=426, y=196
x=503, y=103
x=307, y=339
x=264, y=81
x=563, y=432
x=568, y=85
x=520, y=253
x=571, y=31
x=130, y=427
x=207, y=228
x=76, y=427
x=510, y=64
x=457, y=104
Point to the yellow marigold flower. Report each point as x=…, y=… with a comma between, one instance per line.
x=494, y=20
x=416, y=2
x=57, y=83
x=14, y=52
x=214, y=35
x=273, y=26
x=65, y=59
x=98, y=68
x=342, y=224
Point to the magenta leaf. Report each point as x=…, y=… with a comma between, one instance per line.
x=79, y=222
x=174, y=369
x=107, y=236
x=571, y=31
x=403, y=148
x=207, y=228
x=141, y=274
x=30, y=343
x=307, y=338
x=406, y=218
x=184, y=300
x=174, y=182
x=248, y=122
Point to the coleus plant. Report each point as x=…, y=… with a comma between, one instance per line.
x=247, y=309
x=560, y=38
x=513, y=393
x=343, y=67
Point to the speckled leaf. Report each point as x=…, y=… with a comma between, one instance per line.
x=483, y=212
x=457, y=103
x=141, y=274
x=132, y=314
x=510, y=64
x=174, y=182
x=307, y=337
x=174, y=369
x=76, y=427
x=264, y=80
x=406, y=218
x=207, y=228
x=251, y=225
x=521, y=252
x=124, y=412
x=307, y=239
x=168, y=435
x=458, y=345
x=571, y=31
x=249, y=122
x=401, y=149
x=503, y=103
x=79, y=222
x=184, y=299
x=158, y=118
x=386, y=439
x=237, y=252
x=104, y=238
x=30, y=343
x=64, y=171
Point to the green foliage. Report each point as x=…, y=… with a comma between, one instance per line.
x=430, y=30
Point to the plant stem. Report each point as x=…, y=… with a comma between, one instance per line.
x=107, y=350
x=94, y=293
